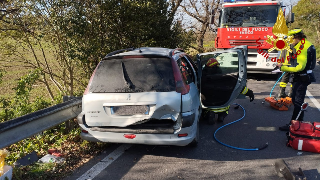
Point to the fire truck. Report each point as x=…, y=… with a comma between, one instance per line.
x=249, y=23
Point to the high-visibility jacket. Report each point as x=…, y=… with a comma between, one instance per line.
x=303, y=61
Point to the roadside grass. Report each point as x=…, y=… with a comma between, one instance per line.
x=15, y=67
x=75, y=150
x=14, y=70
x=207, y=45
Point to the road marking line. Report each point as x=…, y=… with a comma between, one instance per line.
x=266, y=129
x=104, y=163
x=315, y=102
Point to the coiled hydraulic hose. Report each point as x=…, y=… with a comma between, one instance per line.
x=244, y=149
x=276, y=83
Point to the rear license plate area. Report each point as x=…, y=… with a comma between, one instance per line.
x=130, y=110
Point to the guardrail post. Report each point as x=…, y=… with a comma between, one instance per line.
x=70, y=124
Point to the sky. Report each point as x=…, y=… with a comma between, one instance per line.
x=290, y=2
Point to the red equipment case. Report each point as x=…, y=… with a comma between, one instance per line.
x=304, y=136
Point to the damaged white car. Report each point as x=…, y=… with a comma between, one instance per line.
x=143, y=96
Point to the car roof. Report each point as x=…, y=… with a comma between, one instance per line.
x=159, y=51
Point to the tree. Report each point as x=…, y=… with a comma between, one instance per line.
x=201, y=12
x=307, y=17
x=66, y=39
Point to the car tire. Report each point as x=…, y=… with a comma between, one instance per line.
x=195, y=141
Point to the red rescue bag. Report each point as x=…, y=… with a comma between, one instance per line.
x=304, y=136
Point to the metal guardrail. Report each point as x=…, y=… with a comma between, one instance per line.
x=25, y=126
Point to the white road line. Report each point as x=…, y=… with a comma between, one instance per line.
x=315, y=102
x=104, y=163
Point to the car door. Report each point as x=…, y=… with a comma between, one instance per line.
x=191, y=100
x=222, y=76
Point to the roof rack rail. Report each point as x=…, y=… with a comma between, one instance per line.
x=118, y=51
x=177, y=49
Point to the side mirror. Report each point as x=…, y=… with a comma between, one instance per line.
x=291, y=18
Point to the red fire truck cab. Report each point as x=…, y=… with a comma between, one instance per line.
x=249, y=23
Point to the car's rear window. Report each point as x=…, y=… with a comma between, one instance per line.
x=133, y=75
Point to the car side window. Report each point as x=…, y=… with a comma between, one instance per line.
x=186, y=70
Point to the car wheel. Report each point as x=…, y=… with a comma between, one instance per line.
x=195, y=141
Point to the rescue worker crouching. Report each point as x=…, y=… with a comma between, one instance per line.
x=302, y=64
x=214, y=68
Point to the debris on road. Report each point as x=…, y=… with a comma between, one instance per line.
x=27, y=160
x=284, y=171
x=49, y=158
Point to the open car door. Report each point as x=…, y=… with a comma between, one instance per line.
x=222, y=76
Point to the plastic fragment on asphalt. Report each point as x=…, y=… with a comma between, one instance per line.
x=51, y=159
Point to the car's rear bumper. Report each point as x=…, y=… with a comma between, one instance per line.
x=150, y=139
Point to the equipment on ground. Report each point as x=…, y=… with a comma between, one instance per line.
x=304, y=136
x=233, y=147
x=281, y=104
x=284, y=171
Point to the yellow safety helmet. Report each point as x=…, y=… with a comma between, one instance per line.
x=294, y=31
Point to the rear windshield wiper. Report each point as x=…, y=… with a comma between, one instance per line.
x=126, y=77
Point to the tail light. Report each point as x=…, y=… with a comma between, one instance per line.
x=84, y=131
x=90, y=81
x=181, y=86
x=129, y=136
x=183, y=135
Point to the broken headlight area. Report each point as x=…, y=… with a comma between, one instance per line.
x=187, y=119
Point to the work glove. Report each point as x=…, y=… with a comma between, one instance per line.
x=250, y=94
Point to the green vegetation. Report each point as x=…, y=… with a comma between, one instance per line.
x=307, y=17
x=76, y=152
x=49, y=49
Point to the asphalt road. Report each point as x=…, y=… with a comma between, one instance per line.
x=211, y=160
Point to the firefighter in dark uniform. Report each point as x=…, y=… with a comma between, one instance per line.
x=301, y=65
x=214, y=68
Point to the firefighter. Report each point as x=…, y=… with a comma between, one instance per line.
x=284, y=80
x=214, y=68
x=301, y=65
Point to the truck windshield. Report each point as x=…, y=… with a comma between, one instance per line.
x=249, y=16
